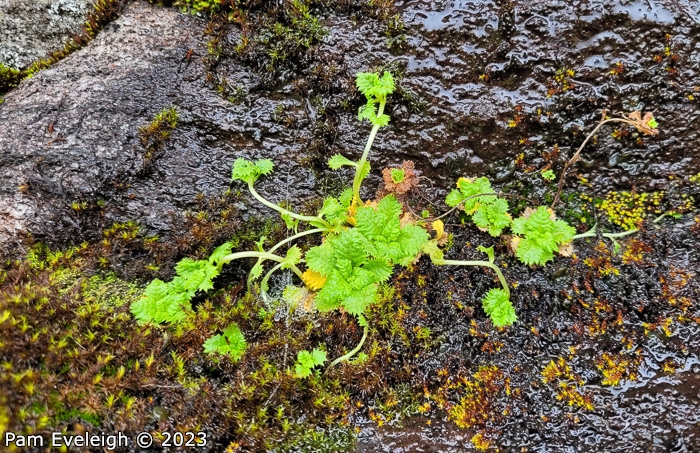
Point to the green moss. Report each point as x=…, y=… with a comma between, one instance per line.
x=9, y=78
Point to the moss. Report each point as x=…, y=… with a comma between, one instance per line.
x=154, y=135
x=629, y=209
x=9, y=78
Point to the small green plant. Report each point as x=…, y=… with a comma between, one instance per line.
x=307, y=361
x=363, y=242
x=489, y=212
x=398, y=175
x=548, y=175
x=231, y=343
x=539, y=236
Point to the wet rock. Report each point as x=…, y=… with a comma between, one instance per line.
x=32, y=29
x=70, y=153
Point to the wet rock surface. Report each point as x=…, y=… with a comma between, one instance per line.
x=31, y=29
x=485, y=84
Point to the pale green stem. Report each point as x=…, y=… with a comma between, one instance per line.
x=297, y=236
x=281, y=210
x=592, y=232
x=251, y=254
x=360, y=164
x=488, y=264
x=290, y=239
x=351, y=353
x=263, y=284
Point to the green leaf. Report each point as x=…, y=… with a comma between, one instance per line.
x=220, y=252
x=256, y=271
x=307, y=361
x=497, y=305
x=338, y=161
x=290, y=222
x=364, y=171
x=321, y=258
x=540, y=236
x=381, y=120
x=492, y=216
x=333, y=210
x=652, y=123
x=293, y=257
x=231, y=343
x=264, y=166
x=548, y=175
x=435, y=253
x=160, y=303
x=454, y=198
x=359, y=300
x=345, y=198
x=488, y=251
x=248, y=171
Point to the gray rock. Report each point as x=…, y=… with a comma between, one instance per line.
x=32, y=29
x=70, y=135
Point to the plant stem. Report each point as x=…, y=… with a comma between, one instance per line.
x=281, y=210
x=250, y=254
x=361, y=163
x=289, y=239
x=575, y=158
x=297, y=236
x=351, y=353
x=488, y=264
x=263, y=283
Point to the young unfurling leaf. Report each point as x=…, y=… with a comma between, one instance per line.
x=375, y=89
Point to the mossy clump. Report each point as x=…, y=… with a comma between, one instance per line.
x=629, y=209
x=154, y=134
x=9, y=78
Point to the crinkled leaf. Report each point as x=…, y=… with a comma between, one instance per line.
x=293, y=257
x=497, y=305
x=321, y=259
x=306, y=361
x=160, y=303
x=338, y=161
x=231, y=342
x=542, y=236
x=358, y=301
x=248, y=171
x=381, y=270
x=492, y=216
